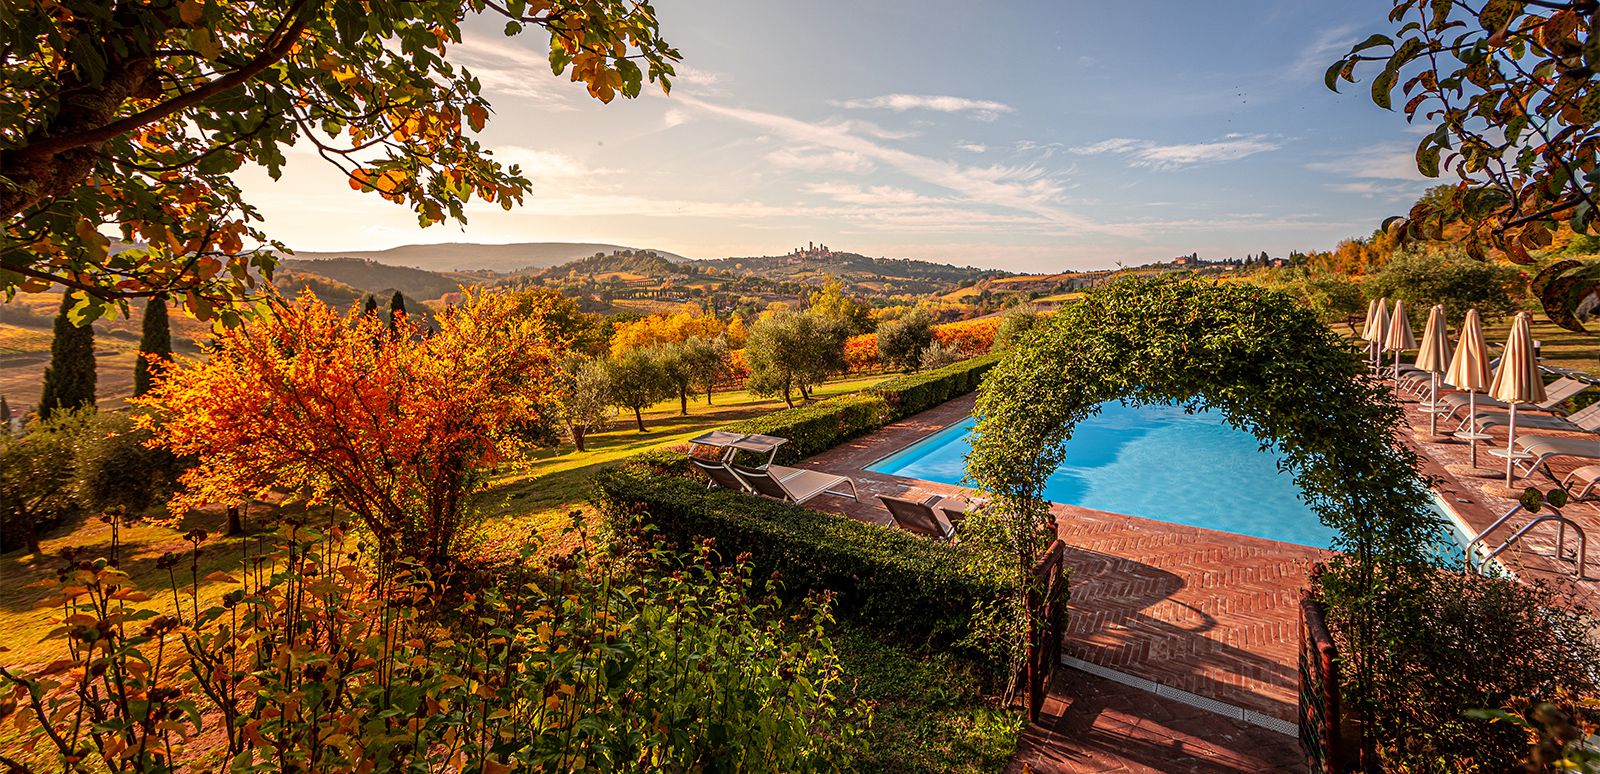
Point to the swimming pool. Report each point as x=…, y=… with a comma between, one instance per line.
x=1154, y=461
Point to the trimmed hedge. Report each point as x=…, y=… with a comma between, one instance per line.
x=915, y=393
x=952, y=596
x=824, y=425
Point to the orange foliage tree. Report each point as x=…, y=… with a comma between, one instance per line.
x=398, y=429
x=969, y=337
x=666, y=329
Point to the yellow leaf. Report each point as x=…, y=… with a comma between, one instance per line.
x=191, y=11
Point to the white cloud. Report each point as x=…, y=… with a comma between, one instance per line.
x=982, y=109
x=818, y=160
x=972, y=147
x=1152, y=155
x=875, y=195
x=1378, y=162
x=674, y=117
x=542, y=164
x=1022, y=188
x=506, y=68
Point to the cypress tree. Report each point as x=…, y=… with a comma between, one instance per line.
x=156, y=340
x=69, y=379
x=397, y=310
x=370, y=306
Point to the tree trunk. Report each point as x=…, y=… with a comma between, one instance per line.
x=639, y=418
x=708, y=395
x=31, y=537
x=683, y=402
x=786, y=398
x=235, y=521
x=577, y=438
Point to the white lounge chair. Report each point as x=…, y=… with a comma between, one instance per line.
x=1556, y=393
x=1584, y=420
x=793, y=484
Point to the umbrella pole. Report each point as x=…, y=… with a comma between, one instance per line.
x=1433, y=403
x=1396, y=373
x=1511, y=443
x=1472, y=411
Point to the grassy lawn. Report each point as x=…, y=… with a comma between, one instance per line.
x=531, y=499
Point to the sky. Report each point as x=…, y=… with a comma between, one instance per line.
x=1027, y=136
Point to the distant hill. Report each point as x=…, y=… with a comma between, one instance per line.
x=646, y=263
x=885, y=276
x=382, y=279
x=458, y=256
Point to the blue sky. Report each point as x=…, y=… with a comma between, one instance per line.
x=1039, y=136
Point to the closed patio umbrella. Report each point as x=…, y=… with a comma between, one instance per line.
x=1377, y=328
x=1399, y=338
x=1433, y=357
x=1517, y=380
x=1366, y=329
x=1469, y=370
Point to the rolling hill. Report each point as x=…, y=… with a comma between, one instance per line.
x=460, y=256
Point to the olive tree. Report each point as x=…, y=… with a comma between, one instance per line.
x=635, y=380
x=585, y=398
x=1426, y=275
x=792, y=351
x=901, y=342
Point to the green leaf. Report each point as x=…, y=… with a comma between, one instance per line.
x=1377, y=39
x=1331, y=77
x=1428, y=158
x=1382, y=85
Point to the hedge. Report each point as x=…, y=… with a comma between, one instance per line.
x=915, y=393
x=924, y=591
x=824, y=425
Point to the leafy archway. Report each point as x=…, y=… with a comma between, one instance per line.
x=1270, y=368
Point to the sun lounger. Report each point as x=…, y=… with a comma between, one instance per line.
x=720, y=475
x=1584, y=420
x=920, y=516
x=1589, y=476
x=793, y=484
x=1543, y=448
x=1556, y=393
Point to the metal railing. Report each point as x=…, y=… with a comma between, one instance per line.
x=1320, y=722
x=1562, y=523
x=1047, y=600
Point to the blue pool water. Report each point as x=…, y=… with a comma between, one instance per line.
x=1154, y=461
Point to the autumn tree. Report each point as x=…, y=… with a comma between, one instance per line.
x=567, y=328
x=665, y=329
x=69, y=380
x=155, y=342
x=832, y=303
x=636, y=380
x=398, y=430
x=134, y=116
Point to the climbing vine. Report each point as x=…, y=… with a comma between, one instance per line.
x=1266, y=363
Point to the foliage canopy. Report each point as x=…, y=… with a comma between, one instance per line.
x=134, y=116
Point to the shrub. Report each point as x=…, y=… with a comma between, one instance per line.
x=1490, y=643
x=925, y=591
x=938, y=355
x=969, y=337
x=671, y=663
x=36, y=487
x=1423, y=276
x=114, y=467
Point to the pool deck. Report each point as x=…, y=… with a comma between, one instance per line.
x=1210, y=613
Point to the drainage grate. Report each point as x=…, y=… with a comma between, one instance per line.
x=1252, y=717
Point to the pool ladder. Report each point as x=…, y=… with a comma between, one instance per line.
x=1554, y=515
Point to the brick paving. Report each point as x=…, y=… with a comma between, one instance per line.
x=1094, y=725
